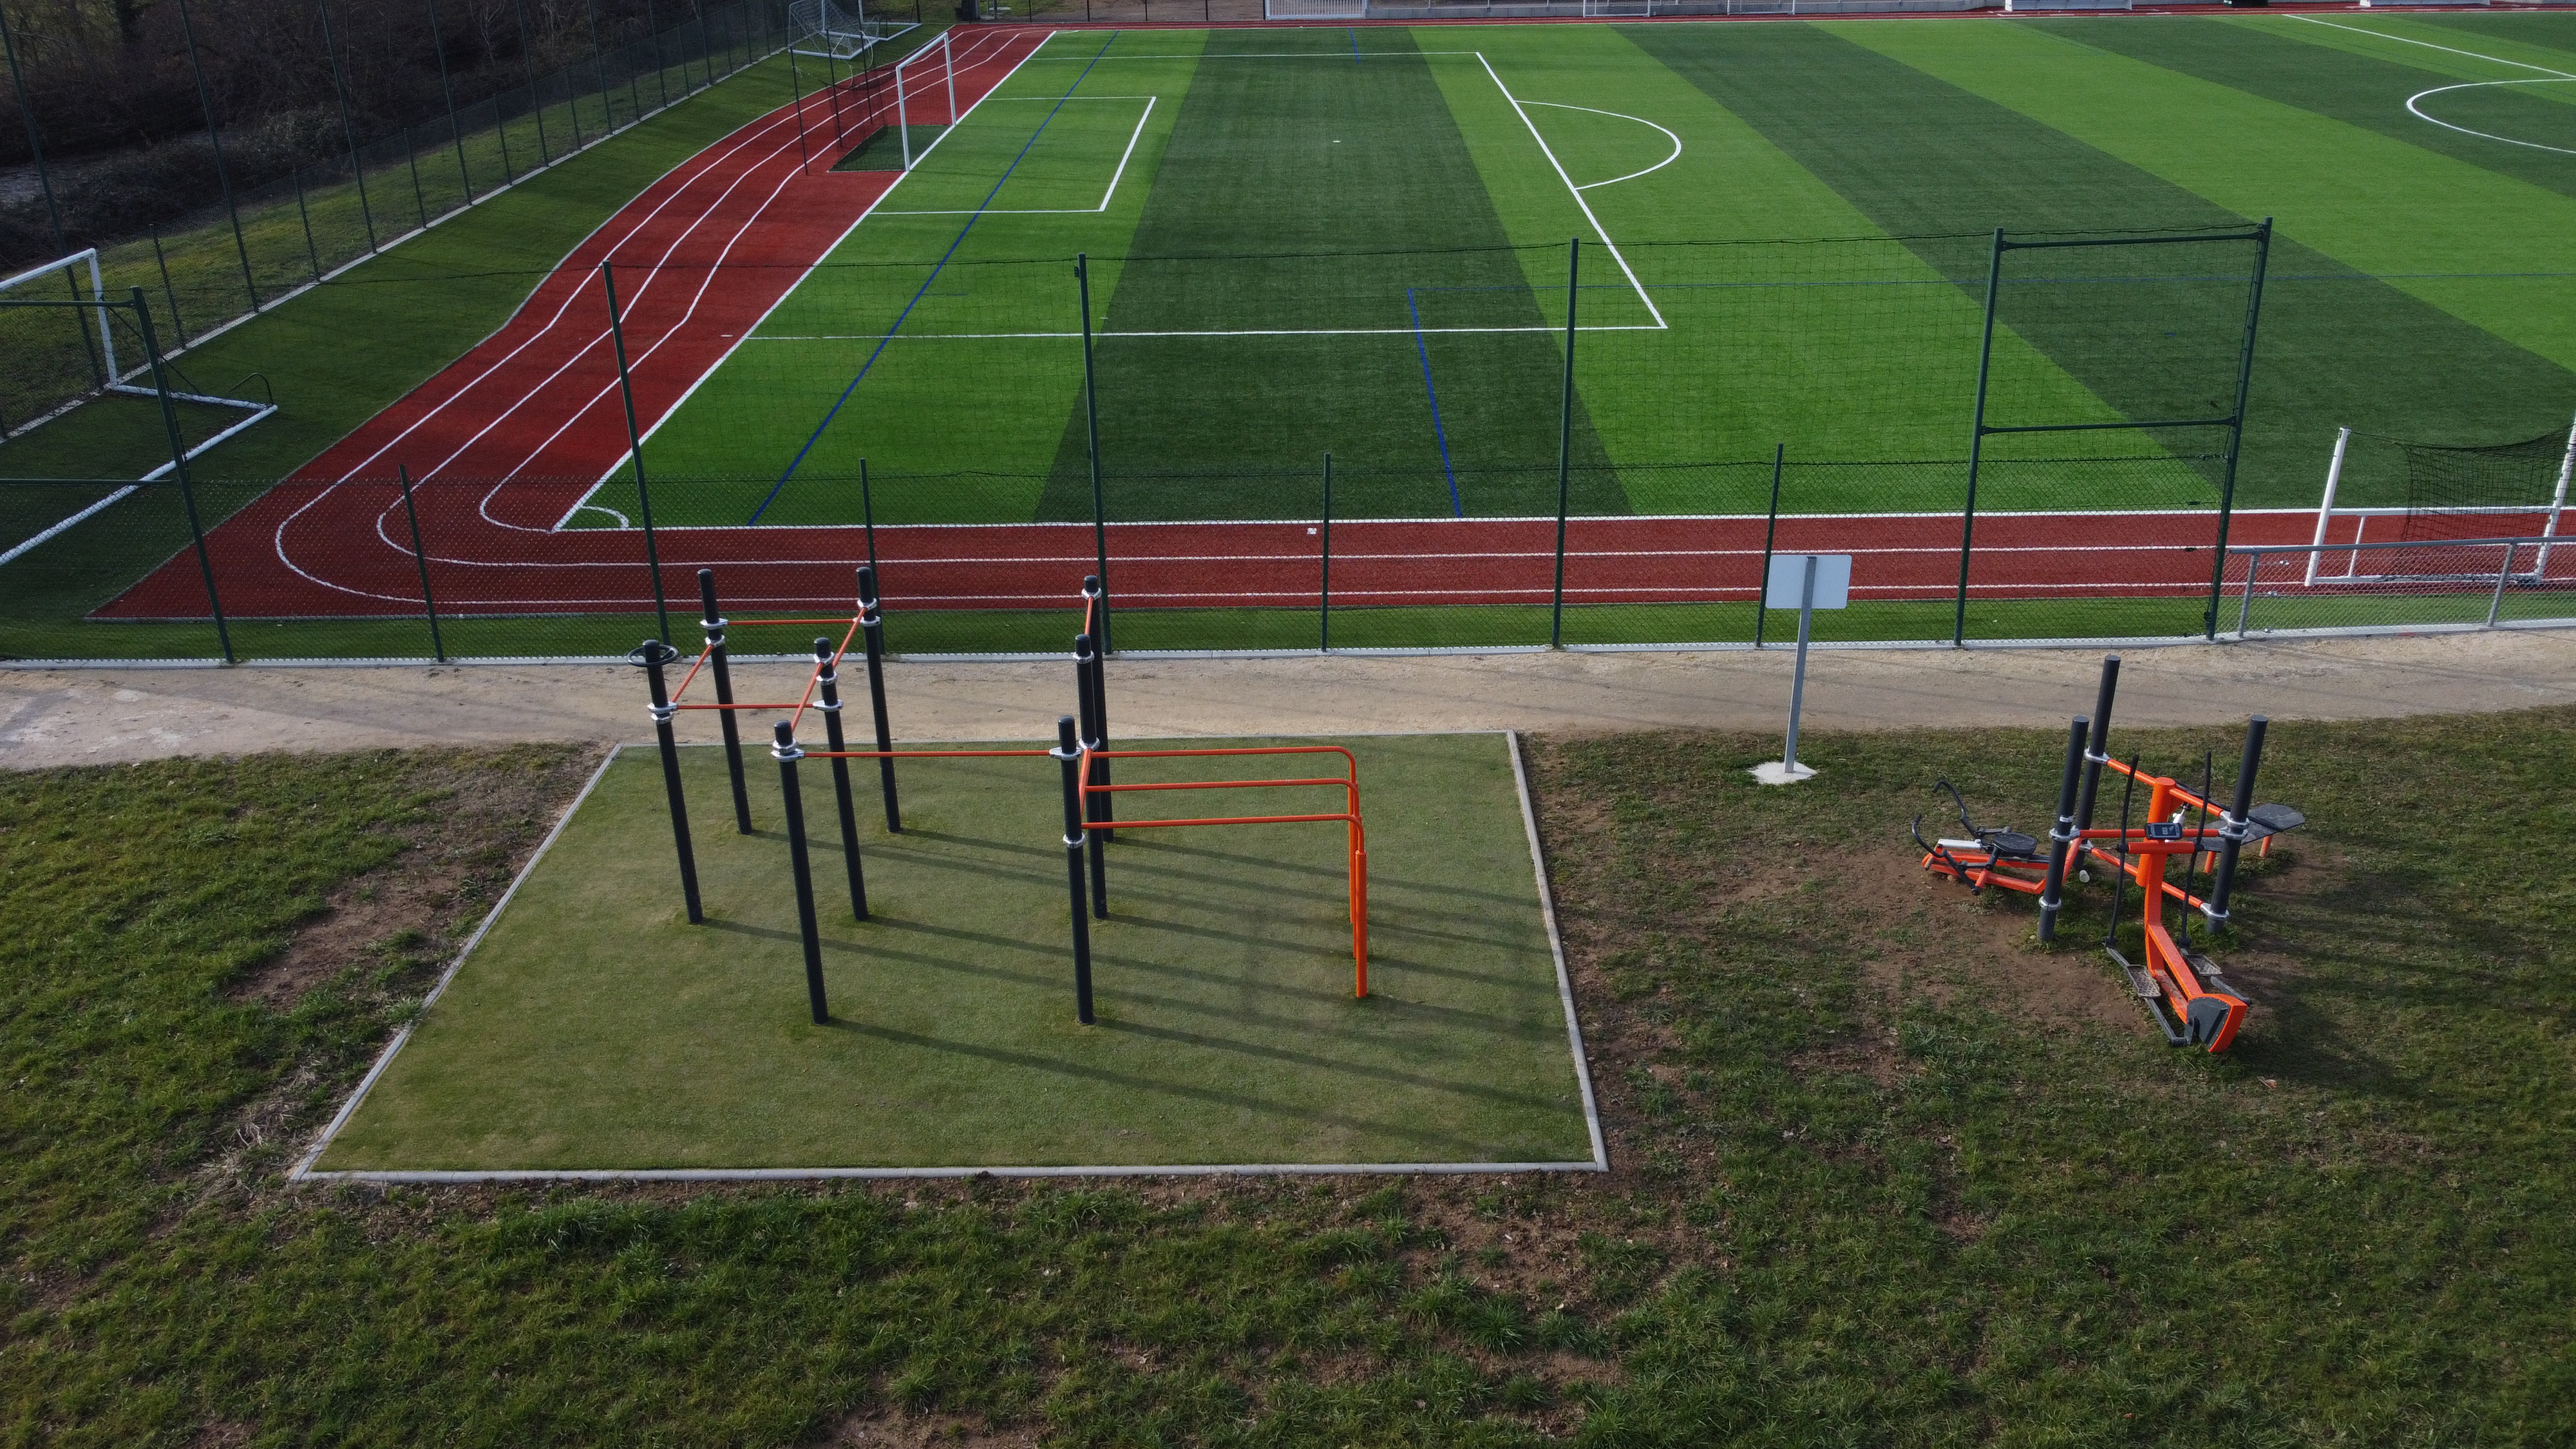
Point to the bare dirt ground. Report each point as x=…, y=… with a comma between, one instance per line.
x=60, y=717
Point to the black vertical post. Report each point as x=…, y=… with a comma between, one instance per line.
x=420, y=555
x=1977, y=440
x=1070, y=755
x=1101, y=811
x=2236, y=426
x=214, y=138
x=651, y=656
x=1565, y=444
x=2061, y=841
x=1091, y=438
x=1324, y=608
x=872, y=629
x=349, y=132
x=179, y=466
x=1087, y=703
x=455, y=127
x=635, y=450
x=1770, y=535
x=721, y=668
x=2097, y=748
x=827, y=678
x=784, y=751
x=2232, y=828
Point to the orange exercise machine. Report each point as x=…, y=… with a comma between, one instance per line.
x=2184, y=990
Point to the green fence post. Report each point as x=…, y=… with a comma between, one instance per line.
x=536, y=100
x=214, y=138
x=796, y=88
x=35, y=143
x=1565, y=444
x=868, y=516
x=420, y=555
x=1770, y=532
x=1977, y=441
x=1324, y=613
x=455, y=127
x=635, y=450
x=2236, y=427
x=348, y=132
x=179, y=469
x=312, y=253
x=1091, y=424
x=168, y=292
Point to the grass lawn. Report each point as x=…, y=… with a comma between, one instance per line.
x=1883, y=1172
x=595, y=1028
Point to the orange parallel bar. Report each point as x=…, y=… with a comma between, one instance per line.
x=1238, y=820
x=1218, y=784
x=921, y=754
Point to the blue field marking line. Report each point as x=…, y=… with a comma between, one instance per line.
x=1353, y=32
x=960, y=240
x=1424, y=348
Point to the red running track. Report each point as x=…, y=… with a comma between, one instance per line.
x=536, y=405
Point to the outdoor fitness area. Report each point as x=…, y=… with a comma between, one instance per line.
x=1014, y=982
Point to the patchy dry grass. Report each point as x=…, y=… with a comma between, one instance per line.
x=1887, y=1172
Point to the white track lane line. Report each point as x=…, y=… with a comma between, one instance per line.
x=1573, y=190
x=572, y=296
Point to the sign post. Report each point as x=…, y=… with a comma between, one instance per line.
x=1805, y=582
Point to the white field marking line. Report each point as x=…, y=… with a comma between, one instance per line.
x=340, y=1119
x=2488, y=135
x=749, y=332
x=1556, y=950
x=2428, y=45
x=65, y=525
x=1137, y=135
x=825, y=1174
x=1573, y=190
x=573, y=294
x=1623, y=116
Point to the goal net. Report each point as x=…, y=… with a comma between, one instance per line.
x=839, y=29
x=2496, y=490
x=53, y=355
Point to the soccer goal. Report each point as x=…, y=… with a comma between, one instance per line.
x=839, y=29
x=2496, y=490
x=65, y=340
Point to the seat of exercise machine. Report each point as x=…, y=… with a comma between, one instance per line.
x=2265, y=820
x=2001, y=843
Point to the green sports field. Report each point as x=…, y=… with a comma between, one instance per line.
x=1356, y=241
x=594, y=1028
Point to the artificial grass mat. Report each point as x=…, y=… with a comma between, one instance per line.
x=593, y=1028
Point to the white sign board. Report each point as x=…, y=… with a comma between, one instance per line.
x=1786, y=588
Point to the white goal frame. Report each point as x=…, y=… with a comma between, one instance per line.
x=2327, y=513
x=839, y=29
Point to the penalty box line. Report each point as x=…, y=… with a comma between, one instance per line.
x=1105, y=197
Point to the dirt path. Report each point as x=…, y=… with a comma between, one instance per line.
x=94, y=715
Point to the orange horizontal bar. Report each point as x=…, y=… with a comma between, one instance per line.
x=739, y=704
x=850, y=620
x=1216, y=785
x=1231, y=750
x=1115, y=825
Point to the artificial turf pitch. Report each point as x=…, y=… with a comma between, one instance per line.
x=592, y=1028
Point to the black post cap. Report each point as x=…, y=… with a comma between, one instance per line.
x=867, y=585
x=1064, y=733
x=785, y=734
x=1082, y=646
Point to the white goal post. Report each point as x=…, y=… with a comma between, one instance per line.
x=2327, y=514
x=839, y=29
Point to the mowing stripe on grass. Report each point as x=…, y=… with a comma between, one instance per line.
x=1301, y=200
x=1923, y=156
x=2369, y=202
x=936, y=268
x=2369, y=91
